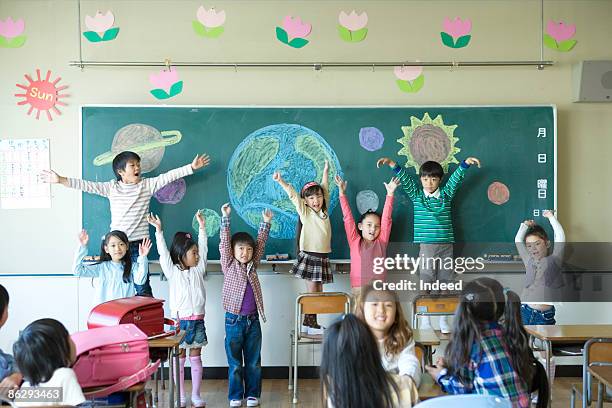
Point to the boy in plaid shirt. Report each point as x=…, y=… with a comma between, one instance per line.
x=243, y=304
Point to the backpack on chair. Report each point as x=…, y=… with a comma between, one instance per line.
x=114, y=357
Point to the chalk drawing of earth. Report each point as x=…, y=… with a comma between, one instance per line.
x=299, y=153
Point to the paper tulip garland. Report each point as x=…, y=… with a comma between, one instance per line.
x=101, y=27
x=209, y=23
x=11, y=33
x=456, y=32
x=293, y=32
x=352, y=27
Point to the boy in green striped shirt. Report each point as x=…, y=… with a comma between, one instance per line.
x=433, y=225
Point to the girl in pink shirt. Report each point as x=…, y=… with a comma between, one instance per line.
x=371, y=240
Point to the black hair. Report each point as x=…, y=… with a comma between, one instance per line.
x=4, y=300
x=306, y=192
x=181, y=244
x=483, y=301
x=538, y=231
x=364, y=215
x=42, y=347
x=432, y=169
x=126, y=261
x=242, y=238
x=349, y=348
x=121, y=160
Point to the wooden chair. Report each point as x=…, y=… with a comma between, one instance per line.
x=430, y=305
x=312, y=303
x=597, y=352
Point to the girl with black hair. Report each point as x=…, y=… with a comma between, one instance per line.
x=313, y=236
x=185, y=268
x=115, y=270
x=44, y=353
x=485, y=356
x=352, y=375
x=9, y=377
x=370, y=242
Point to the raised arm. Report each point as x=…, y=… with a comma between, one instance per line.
x=168, y=177
x=559, y=234
x=225, y=248
x=387, y=219
x=141, y=270
x=297, y=201
x=262, y=235
x=165, y=262
x=519, y=240
x=325, y=178
x=79, y=268
x=352, y=235
x=202, y=243
x=405, y=179
x=93, y=187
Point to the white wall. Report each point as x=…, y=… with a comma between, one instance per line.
x=43, y=241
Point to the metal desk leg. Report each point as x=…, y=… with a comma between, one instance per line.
x=156, y=396
x=548, y=351
x=600, y=394
x=177, y=374
x=171, y=377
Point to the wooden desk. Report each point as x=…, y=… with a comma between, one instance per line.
x=170, y=343
x=429, y=388
x=574, y=334
x=603, y=374
x=426, y=338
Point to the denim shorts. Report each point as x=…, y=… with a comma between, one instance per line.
x=533, y=316
x=195, y=336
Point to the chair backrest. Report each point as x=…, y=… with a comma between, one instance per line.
x=424, y=304
x=598, y=351
x=324, y=302
x=466, y=401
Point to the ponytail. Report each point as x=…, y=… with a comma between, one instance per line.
x=521, y=356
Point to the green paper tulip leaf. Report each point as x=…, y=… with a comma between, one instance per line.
x=110, y=34
x=463, y=41
x=92, y=36
x=550, y=42
x=359, y=35
x=298, y=42
x=447, y=40
x=3, y=42
x=344, y=33
x=199, y=28
x=282, y=35
x=16, y=42
x=404, y=85
x=418, y=83
x=176, y=89
x=214, y=32
x=160, y=94
x=567, y=45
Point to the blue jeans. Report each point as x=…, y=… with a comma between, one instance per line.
x=243, y=342
x=141, y=290
x=533, y=316
x=195, y=334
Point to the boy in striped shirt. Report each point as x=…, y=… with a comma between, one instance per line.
x=433, y=225
x=129, y=197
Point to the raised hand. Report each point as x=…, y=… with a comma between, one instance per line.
x=529, y=223
x=226, y=210
x=155, y=221
x=472, y=160
x=201, y=219
x=341, y=184
x=276, y=176
x=548, y=213
x=392, y=185
x=267, y=215
x=200, y=161
x=385, y=160
x=144, y=247
x=83, y=237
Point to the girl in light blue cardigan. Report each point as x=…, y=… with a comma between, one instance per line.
x=115, y=270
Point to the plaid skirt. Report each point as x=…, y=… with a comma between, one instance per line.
x=312, y=267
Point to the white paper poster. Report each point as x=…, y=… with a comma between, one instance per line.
x=21, y=163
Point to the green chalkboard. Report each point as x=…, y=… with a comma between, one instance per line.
x=516, y=145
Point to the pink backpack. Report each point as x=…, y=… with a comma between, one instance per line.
x=116, y=357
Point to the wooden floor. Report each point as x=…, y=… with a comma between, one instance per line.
x=276, y=395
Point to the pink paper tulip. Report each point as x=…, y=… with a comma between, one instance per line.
x=457, y=28
x=164, y=79
x=407, y=73
x=11, y=29
x=100, y=22
x=210, y=18
x=295, y=28
x=353, y=21
x=560, y=31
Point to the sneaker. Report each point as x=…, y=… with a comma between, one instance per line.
x=183, y=402
x=235, y=403
x=252, y=402
x=444, y=325
x=197, y=402
x=424, y=323
x=315, y=331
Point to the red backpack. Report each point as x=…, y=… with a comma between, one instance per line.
x=115, y=358
x=145, y=312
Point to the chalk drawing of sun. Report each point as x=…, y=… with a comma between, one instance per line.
x=426, y=139
x=42, y=94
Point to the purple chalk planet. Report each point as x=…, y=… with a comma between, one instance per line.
x=172, y=193
x=371, y=139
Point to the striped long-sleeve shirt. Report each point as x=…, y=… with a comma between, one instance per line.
x=432, y=215
x=129, y=203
